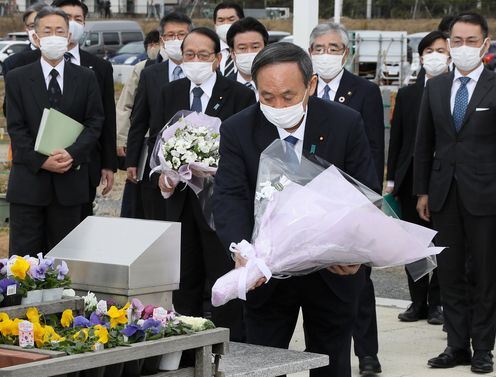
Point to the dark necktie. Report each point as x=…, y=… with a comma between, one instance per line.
x=229, y=67
x=249, y=85
x=177, y=73
x=68, y=56
x=197, y=105
x=54, y=92
x=291, y=156
x=461, y=103
x=326, y=93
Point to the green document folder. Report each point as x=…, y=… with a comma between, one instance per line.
x=391, y=207
x=57, y=131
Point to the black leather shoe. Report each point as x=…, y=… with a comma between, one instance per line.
x=450, y=358
x=369, y=365
x=482, y=362
x=413, y=314
x=435, y=316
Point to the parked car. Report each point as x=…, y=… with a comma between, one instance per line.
x=129, y=54
x=276, y=36
x=18, y=36
x=104, y=38
x=8, y=48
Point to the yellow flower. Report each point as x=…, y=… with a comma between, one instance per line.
x=67, y=318
x=39, y=332
x=117, y=316
x=4, y=317
x=5, y=327
x=50, y=335
x=20, y=267
x=102, y=334
x=78, y=334
x=13, y=326
x=33, y=315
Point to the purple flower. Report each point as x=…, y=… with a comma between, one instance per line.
x=95, y=319
x=152, y=325
x=80, y=321
x=37, y=272
x=4, y=283
x=133, y=329
x=136, y=309
x=62, y=270
x=3, y=263
x=148, y=311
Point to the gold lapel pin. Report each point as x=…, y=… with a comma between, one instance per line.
x=349, y=93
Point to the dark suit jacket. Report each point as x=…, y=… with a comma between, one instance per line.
x=104, y=154
x=403, y=132
x=365, y=97
x=145, y=105
x=339, y=137
x=27, y=96
x=228, y=98
x=469, y=155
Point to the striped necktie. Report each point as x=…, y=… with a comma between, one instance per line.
x=249, y=85
x=68, y=56
x=177, y=73
x=229, y=67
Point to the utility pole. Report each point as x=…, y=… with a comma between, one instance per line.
x=305, y=18
x=415, y=9
x=369, y=9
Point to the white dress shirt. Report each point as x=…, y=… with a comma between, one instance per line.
x=76, y=57
x=299, y=134
x=208, y=87
x=333, y=85
x=47, y=68
x=241, y=80
x=474, y=77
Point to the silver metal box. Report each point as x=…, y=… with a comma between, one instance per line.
x=121, y=258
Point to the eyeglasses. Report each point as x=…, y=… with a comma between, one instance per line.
x=331, y=50
x=30, y=26
x=471, y=42
x=202, y=55
x=171, y=36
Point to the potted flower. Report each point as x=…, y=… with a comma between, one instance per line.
x=56, y=278
x=26, y=272
x=9, y=292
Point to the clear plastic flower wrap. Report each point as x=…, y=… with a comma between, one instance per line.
x=187, y=151
x=313, y=216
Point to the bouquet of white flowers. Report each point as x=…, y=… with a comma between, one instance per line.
x=313, y=217
x=187, y=150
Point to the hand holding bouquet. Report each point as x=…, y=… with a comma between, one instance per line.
x=187, y=151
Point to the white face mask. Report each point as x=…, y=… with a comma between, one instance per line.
x=198, y=72
x=435, y=63
x=173, y=49
x=286, y=117
x=327, y=66
x=163, y=54
x=53, y=47
x=30, y=37
x=152, y=52
x=466, y=58
x=222, y=30
x=245, y=61
x=76, y=30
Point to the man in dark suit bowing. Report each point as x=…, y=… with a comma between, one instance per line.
x=46, y=192
x=329, y=49
x=433, y=51
x=454, y=177
x=103, y=161
x=283, y=75
x=174, y=28
x=203, y=258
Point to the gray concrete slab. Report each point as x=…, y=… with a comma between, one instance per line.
x=404, y=348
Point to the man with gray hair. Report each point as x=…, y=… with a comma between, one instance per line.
x=287, y=110
x=46, y=193
x=329, y=49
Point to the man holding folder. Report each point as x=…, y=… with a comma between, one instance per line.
x=46, y=192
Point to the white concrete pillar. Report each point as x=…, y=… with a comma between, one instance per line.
x=338, y=9
x=305, y=18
